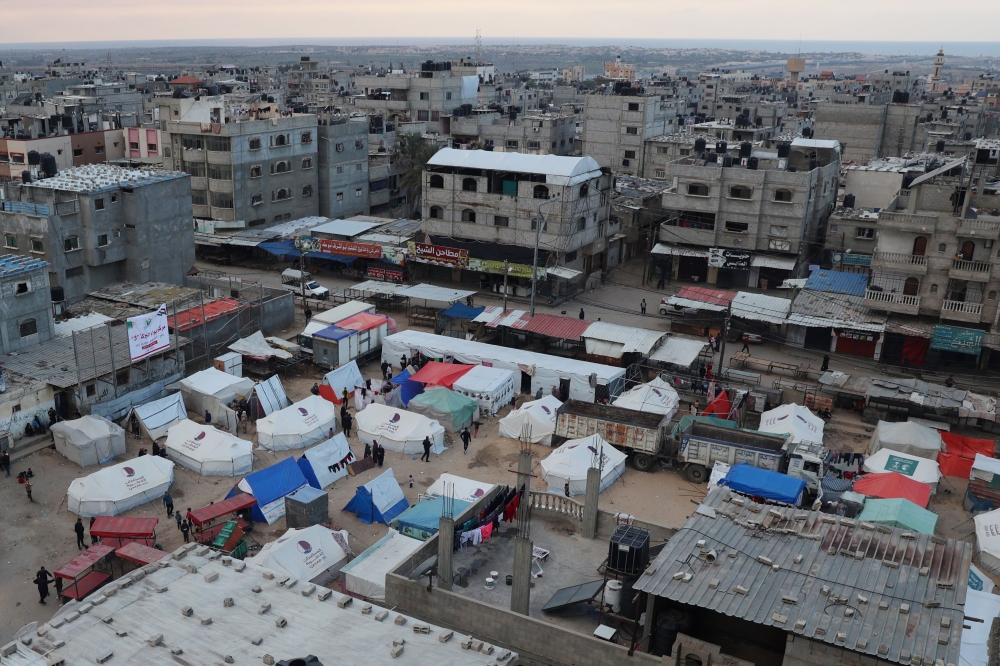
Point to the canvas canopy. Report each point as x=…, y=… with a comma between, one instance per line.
x=536, y=418
x=906, y=437
x=452, y=410
x=794, y=420
x=156, y=417
x=899, y=513
x=365, y=574
x=985, y=467
x=255, y=345
x=346, y=377
x=657, y=397
x=89, y=440
x=209, y=451
x=398, y=429
x=914, y=467
x=121, y=487
x=326, y=462
x=306, y=554
x=204, y=390
x=378, y=501
x=764, y=483
x=407, y=387
x=492, y=388
x=269, y=487
x=460, y=487
x=894, y=485
x=271, y=395
x=306, y=422
x=440, y=374
x=569, y=464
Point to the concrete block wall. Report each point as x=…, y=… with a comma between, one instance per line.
x=858, y=128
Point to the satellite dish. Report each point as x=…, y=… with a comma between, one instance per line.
x=424, y=568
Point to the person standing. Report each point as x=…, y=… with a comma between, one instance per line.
x=711, y=342
x=59, y=584
x=309, y=315
x=42, y=580
x=466, y=438
x=402, y=362
x=826, y=362
x=27, y=489
x=379, y=453
x=178, y=518
x=186, y=530
x=642, y=306
x=347, y=421
x=746, y=343
x=581, y=313
x=427, y=450
x=168, y=502
x=5, y=462
x=368, y=451
x=411, y=481
x=78, y=528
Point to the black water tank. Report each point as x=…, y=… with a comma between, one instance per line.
x=311, y=660
x=746, y=149
x=25, y=176
x=712, y=158
x=813, y=163
x=720, y=146
x=49, y=165
x=628, y=550
x=727, y=160
x=752, y=163
x=668, y=624
x=57, y=294
x=982, y=156
x=968, y=136
x=849, y=201
x=758, y=121
x=34, y=158
x=699, y=146
x=784, y=150
x=939, y=147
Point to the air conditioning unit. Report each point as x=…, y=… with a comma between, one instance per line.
x=534, y=129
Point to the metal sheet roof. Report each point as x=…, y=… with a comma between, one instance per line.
x=678, y=351
x=555, y=326
x=632, y=339
x=67, y=327
x=562, y=272
x=830, y=579
x=14, y=264
x=711, y=296
x=489, y=314
x=377, y=287
x=765, y=261
x=430, y=292
x=820, y=310
x=838, y=282
x=697, y=305
x=562, y=170
x=758, y=307
x=348, y=228
x=936, y=172
x=662, y=248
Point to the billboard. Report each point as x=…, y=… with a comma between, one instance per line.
x=148, y=334
x=956, y=339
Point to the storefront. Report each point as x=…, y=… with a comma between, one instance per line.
x=768, y=272
x=672, y=262
x=731, y=268
x=855, y=343
x=953, y=346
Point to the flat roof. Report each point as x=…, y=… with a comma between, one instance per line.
x=97, y=177
x=15, y=264
x=563, y=169
x=344, y=227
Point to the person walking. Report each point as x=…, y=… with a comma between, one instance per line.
x=168, y=502
x=381, y=454
x=59, y=584
x=42, y=580
x=186, y=530
x=826, y=363
x=309, y=315
x=93, y=539
x=5, y=462
x=27, y=489
x=348, y=422
x=466, y=438
x=746, y=343
x=368, y=451
x=402, y=362
x=427, y=450
x=178, y=518
x=78, y=528
x=411, y=481
x=642, y=306
x=581, y=313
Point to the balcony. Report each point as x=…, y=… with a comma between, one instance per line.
x=917, y=224
x=976, y=271
x=979, y=229
x=891, y=302
x=914, y=264
x=961, y=311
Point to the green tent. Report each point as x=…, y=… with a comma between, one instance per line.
x=899, y=513
x=452, y=410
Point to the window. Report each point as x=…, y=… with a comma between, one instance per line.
x=74, y=272
x=992, y=296
x=255, y=143
x=256, y=171
x=220, y=172
x=221, y=199
x=541, y=192
x=437, y=181
x=99, y=204
x=779, y=231
x=102, y=240
x=359, y=166
x=435, y=116
x=78, y=152
x=697, y=190
x=864, y=232
x=257, y=199
x=340, y=170
x=501, y=221
x=468, y=215
x=307, y=190
x=784, y=196
x=359, y=144
x=199, y=197
x=91, y=390
x=436, y=212
x=584, y=190
x=282, y=194
x=511, y=143
x=28, y=327
x=425, y=97
x=633, y=106
x=534, y=145
x=942, y=247
x=192, y=143
x=469, y=185
x=280, y=140
x=217, y=143
x=10, y=241
x=581, y=224
x=683, y=152
x=340, y=147
x=340, y=196
x=23, y=288
x=740, y=192
x=630, y=154
x=118, y=233
x=133, y=145
x=447, y=96
x=934, y=288
x=632, y=130
x=257, y=223
x=358, y=192
x=283, y=166
x=660, y=173
x=37, y=245
x=307, y=137
x=197, y=169
x=114, y=197
x=423, y=115
x=737, y=227
x=122, y=377
x=662, y=150
x=534, y=224
x=570, y=257
x=99, y=150
x=151, y=147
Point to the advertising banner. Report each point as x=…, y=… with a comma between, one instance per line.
x=342, y=248
x=438, y=255
x=956, y=339
x=513, y=270
x=148, y=334
x=736, y=259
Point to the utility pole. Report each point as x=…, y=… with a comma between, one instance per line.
x=725, y=334
x=506, y=268
x=534, y=262
x=302, y=276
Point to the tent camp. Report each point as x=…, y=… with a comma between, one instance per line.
x=899, y=512
x=906, y=437
x=89, y=440
x=156, y=417
x=209, y=451
x=766, y=484
x=893, y=485
x=364, y=576
x=959, y=453
x=539, y=416
x=657, y=397
x=326, y=462
x=569, y=464
x=270, y=395
x=120, y=487
x=269, y=487
x=408, y=387
x=794, y=420
x=306, y=422
x=346, y=377
x=452, y=410
x=378, y=501
x=435, y=373
x=398, y=430
x=212, y=391
x=492, y=388
x=459, y=487
x=918, y=469
x=310, y=554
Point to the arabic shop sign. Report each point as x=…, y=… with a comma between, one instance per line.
x=738, y=259
x=387, y=274
x=438, y=255
x=513, y=270
x=846, y=259
x=342, y=248
x=961, y=340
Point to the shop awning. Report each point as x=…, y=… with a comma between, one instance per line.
x=678, y=351
x=143, y=555
x=224, y=508
x=661, y=248
x=758, y=307
x=429, y=292
x=562, y=272
x=117, y=527
x=287, y=247
x=79, y=564
x=781, y=263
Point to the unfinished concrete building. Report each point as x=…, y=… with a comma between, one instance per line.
x=423, y=96
x=615, y=127
x=535, y=134
x=26, y=315
x=869, y=131
x=343, y=166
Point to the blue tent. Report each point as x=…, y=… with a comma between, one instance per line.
x=269, y=487
x=380, y=500
x=758, y=482
x=286, y=249
x=421, y=520
x=408, y=389
x=462, y=311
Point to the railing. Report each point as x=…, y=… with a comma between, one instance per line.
x=889, y=297
x=979, y=225
x=963, y=307
x=556, y=503
x=972, y=266
x=901, y=258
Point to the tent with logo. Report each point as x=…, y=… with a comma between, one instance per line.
x=900, y=513
x=893, y=485
x=539, y=416
x=309, y=554
x=89, y=440
x=794, y=420
x=766, y=484
x=906, y=437
x=914, y=467
x=657, y=397
x=306, y=422
x=378, y=501
x=492, y=388
x=988, y=540
x=569, y=464
x=459, y=487
x=121, y=487
x=364, y=576
x=326, y=462
x=156, y=417
x=269, y=487
x=208, y=450
x=398, y=429
x=408, y=388
x=452, y=410
x=346, y=377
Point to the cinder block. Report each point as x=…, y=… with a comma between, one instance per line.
x=214, y=576
x=228, y=602
x=446, y=636
x=344, y=601
x=308, y=589
x=154, y=640
x=396, y=651
x=400, y=620
x=103, y=656
x=186, y=611
x=324, y=594
x=281, y=623
x=206, y=620
x=263, y=609
x=381, y=615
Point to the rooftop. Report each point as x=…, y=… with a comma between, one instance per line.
x=15, y=264
x=825, y=309
x=562, y=170
x=349, y=228
x=97, y=177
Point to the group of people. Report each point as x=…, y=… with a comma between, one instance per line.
x=376, y=452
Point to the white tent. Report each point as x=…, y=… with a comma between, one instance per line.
x=988, y=540
x=906, y=437
x=398, y=429
x=156, y=417
x=657, y=397
x=89, y=440
x=915, y=467
x=984, y=468
x=365, y=575
x=794, y=420
x=538, y=415
x=306, y=422
x=208, y=450
x=976, y=634
x=345, y=377
x=570, y=462
x=460, y=488
x=305, y=554
x=211, y=391
x=326, y=461
x=271, y=395
x=117, y=489
x=492, y=388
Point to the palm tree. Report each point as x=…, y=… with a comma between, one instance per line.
x=414, y=151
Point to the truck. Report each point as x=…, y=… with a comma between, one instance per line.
x=301, y=282
x=642, y=435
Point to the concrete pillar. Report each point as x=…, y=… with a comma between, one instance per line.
x=446, y=539
x=590, y=503
x=520, y=594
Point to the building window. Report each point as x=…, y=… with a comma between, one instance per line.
x=340, y=147
x=943, y=247
x=340, y=170
x=307, y=137
x=570, y=257
x=423, y=115
x=992, y=296
x=150, y=147
x=255, y=143
x=99, y=150
x=358, y=192
x=71, y=243
x=359, y=144
x=740, y=192
x=934, y=288
x=630, y=154
x=307, y=190
x=660, y=173
x=217, y=143
x=132, y=145
x=122, y=377
x=541, y=192
x=28, y=327
x=737, y=227
x=447, y=96
x=468, y=215
x=633, y=106
x=511, y=143
x=74, y=272
x=220, y=172
x=99, y=204
x=697, y=190
x=282, y=194
x=425, y=97
x=256, y=171
x=280, y=140
x=114, y=197
x=436, y=212
x=866, y=233
x=469, y=185
x=10, y=241
x=435, y=116
x=78, y=152
x=257, y=223
x=779, y=231
x=584, y=190
x=534, y=145
x=534, y=224
x=257, y=199
x=199, y=197
x=783, y=196
x=307, y=163
x=581, y=224
x=102, y=240
x=221, y=199
x=196, y=169
x=501, y=221
x=91, y=390
x=359, y=166
x=22, y=288
x=436, y=181
x=283, y=166
x=340, y=196
x=192, y=143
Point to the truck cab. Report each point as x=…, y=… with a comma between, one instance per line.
x=805, y=461
x=301, y=282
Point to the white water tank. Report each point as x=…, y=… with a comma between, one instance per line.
x=613, y=595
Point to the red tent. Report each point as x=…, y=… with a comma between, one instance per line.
x=720, y=406
x=894, y=485
x=442, y=374
x=960, y=452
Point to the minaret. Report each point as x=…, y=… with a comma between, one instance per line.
x=936, y=79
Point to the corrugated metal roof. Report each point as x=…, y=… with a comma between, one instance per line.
x=678, y=351
x=562, y=272
x=14, y=264
x=758, y=307
x=489, y=314
x=765, y=261
x=377, y=287
x=67, y=327
x=198, y=315
x=555, y=326
x=632, y=339
x=711, y=296
x=820, y=310
x=838, y=282
x=826, y=578
x=563, y=170
x=348, y=228
x=430, y=292
x=697, y=305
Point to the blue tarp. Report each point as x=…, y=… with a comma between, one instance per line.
x=763, y=483
x=421, y=520
x=408, y=389
x=286, y=248
x=838, y=282
x=462, y=311
x=334, y=333
x=272, y=483
x=378, y=501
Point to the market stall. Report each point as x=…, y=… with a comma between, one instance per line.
x=121, y=487
x=86, y=572
x=534, y=420
x=209, y=451
x=139, y=555
x=118, y=531
x=89, y=440
x=568, y=465
x=237, y=507
x=306, y=422
x=398, y=430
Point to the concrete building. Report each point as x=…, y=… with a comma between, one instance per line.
x=616, y=127
x=535, y=133
x=574, y=74
x=26, y=315
x=308, y=85
x=343, y=166
x=619, y=71
x=869, y=131
x=99, y=224
x=111, y=102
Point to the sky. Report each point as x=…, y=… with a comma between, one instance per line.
x=390, y=20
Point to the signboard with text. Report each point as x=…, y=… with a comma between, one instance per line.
x=956, y=339
x=736, y=259
x=379, y=273
x=513, y=270
x=148, y=334
x=439, y=255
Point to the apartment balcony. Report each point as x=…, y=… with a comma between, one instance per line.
x=917, y=224
x=961, y=311
x=913, y=264
x=891, y=302
x=979, y=229
x=976, y=271
x=219, y=185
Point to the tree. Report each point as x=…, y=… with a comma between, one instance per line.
x=414, y=151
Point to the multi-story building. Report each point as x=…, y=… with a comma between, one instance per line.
x=574, y=74
x=616, y=127
x=98, y=224
x=536, y=133
x=869, y=131
x=343, y=166
x=422, y=96
x=110, y=101
x=26, y=315
x=308, y=85
x=619, y=71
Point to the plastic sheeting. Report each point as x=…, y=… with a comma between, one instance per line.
x=978, y=580
x=269, y=487
x=960, y=453
x=538, y=415
x=365, y=574
x=569, y=463
x=398, y=430
x=492, y=388
x=452, y=410
x=271, y=395
x=764, y=483
x=984, y=467
x=327, y=462
x=346, y=377
x=421, y=520
x=378, y=501
x=255, y=345
x=208, y=450
x=894, y=486
x=121, y=487
x=408, y=388
x=156, y=417
x=906, y=437
x=915, y=467
x=657, y=397
x=89, y=440
x=440, y=374
x=306, y=422
x=304, y=554
x=794, y=420
x=899, y=513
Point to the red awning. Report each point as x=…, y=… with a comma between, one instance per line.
x=224, y=508
x=363, y=322
x=129, y=528
x=84, y=561
x=136, y=552
x=442, y=374
x=710, y=296
x=894, y=485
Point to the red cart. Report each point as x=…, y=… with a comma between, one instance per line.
x=205, y=517
x=139, y=555
x=87, y=571
x=116, y=531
